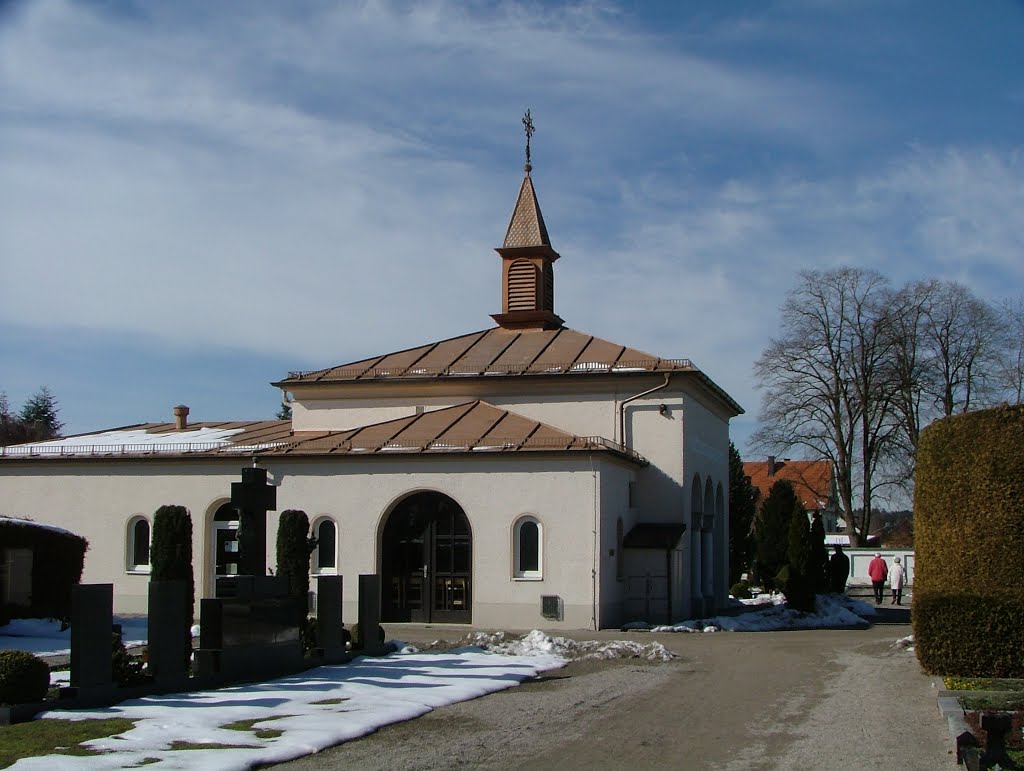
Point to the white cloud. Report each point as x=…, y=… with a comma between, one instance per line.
x=330, y=183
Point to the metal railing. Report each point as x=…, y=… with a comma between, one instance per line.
x=413, y=370
x=323, y=445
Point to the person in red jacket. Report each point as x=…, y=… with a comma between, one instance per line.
x=877, y=572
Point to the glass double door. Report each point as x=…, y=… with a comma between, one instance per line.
x=427, y=561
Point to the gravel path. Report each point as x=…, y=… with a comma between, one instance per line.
x=732, y=701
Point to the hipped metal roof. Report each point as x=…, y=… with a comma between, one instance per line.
x=472, y=428
x=501, y=352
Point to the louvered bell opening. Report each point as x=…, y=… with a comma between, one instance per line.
x=522, y=286
x=549, y=287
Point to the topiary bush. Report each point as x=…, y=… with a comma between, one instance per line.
x=294, y=545
x=171, y=556
x=968, y=606
x=57, y=563
x=23, y=677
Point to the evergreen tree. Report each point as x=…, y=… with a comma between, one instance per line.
x=771, y=531
x=39, y=415
x=800, y=554
x=171, y=556
x=742, y=508
x=284, y=412
x=294, y=545
x=36, y=421
x=819, y=555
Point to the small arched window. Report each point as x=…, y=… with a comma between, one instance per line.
x=137, y=545
x=528, y=549
x=325, y=556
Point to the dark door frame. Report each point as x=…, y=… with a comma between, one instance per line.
x=426, y=561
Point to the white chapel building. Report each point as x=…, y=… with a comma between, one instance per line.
x=525, y=475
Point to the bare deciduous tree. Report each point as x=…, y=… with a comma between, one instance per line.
x=827, y=380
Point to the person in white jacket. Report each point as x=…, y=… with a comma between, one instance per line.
x=897, y=577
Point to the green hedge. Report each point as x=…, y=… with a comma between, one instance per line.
x=23, y=677
x=171, y=557
x=969, y=543
x=970, y=635
x=58, y=558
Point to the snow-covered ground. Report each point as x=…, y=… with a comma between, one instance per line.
x=770, y=614
x=44, y=637
x=293, y=716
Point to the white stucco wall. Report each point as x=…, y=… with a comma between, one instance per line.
x=565, y=493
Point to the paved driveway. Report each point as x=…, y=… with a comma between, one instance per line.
x=777, y=700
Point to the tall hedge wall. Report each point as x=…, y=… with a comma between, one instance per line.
x=968, y=606
x=57, y=562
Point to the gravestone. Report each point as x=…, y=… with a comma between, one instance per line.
x=253, y=498
x=92, y=624
x=170, y=640
x=330, y=631
x=369, y=614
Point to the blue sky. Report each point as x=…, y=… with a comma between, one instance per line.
x=196, y=198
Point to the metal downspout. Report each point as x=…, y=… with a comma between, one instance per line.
x=622, y=406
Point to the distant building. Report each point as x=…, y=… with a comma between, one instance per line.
x=522, y=475
x=814, y=483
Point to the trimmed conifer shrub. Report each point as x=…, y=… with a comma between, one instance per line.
x=23, y=677
x=968, y=606
x=800, y=553
x=294, y=545
x=171, y=556
x=771, y=531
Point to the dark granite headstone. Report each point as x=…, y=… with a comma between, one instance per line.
x=92, y=621
x=369, y=613
x=328, y=616
x=170, y=640
x=253, y=498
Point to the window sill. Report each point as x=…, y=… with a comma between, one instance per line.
x=139, y=571
x=324, y=572
x=527, y=578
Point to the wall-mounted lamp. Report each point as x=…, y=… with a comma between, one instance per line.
x=663, y=409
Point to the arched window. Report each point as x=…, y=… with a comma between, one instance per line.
x=528, y=548
x=137, y=545
x=325, y=556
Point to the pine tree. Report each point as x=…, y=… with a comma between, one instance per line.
x=742, y=508
x=36, y=421
x=39, y=415
x=771, y=531
x=800, y=582
x=284, y=412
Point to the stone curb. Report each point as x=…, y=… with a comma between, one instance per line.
x=967, y=750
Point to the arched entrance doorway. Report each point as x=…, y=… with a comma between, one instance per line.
x=427, y=561
x=225, y=542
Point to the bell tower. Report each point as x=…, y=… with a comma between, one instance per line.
x=527, y=261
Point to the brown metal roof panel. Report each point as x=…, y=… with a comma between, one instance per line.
x=443, y=354
x=525, y=350
x=562, y=352
x=487, y=349
x=395, y=364
x=473, y=424
x=599, y=352
x=428, y=426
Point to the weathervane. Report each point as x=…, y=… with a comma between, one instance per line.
x=528, y=126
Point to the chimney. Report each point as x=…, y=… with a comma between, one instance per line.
x=771, y=463
x=181, y=417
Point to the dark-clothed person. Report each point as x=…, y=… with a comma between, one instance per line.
x=838, y=570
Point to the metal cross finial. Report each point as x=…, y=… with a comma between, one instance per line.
x=528, y=125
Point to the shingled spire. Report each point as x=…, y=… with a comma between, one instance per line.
x=527, y=272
